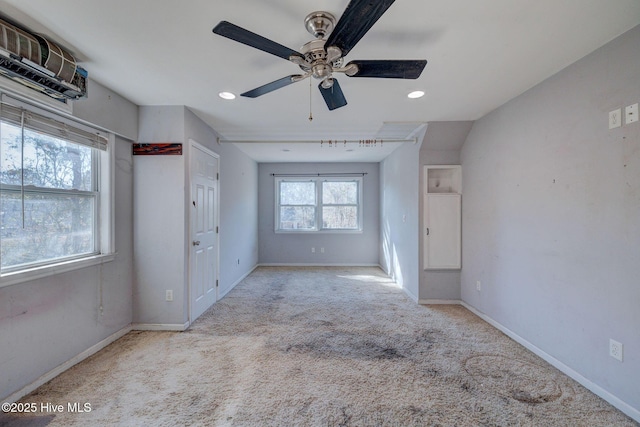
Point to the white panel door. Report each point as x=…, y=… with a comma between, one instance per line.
x=204, y=230
x=442, y=231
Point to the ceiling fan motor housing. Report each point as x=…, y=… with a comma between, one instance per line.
x=316, y=60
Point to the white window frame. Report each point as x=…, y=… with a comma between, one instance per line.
x=318, y=228
x=104, y=222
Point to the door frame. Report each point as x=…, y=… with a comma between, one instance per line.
x=193, y=145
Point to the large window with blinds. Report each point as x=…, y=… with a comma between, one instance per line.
x=50, y=190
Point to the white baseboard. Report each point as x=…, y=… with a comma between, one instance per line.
x=67, y=365
x=439, y=301
x=596, y=389
x=410, y=294
x=304, y=264
x=226, y=291
x=177, y=327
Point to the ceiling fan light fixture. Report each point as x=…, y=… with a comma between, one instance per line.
x=415, y=94
x=327, y=83
x=227, y=95
x=321, y=71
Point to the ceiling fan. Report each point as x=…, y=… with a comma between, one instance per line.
x=321, y=58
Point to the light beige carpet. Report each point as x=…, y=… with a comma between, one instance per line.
x=322, y=347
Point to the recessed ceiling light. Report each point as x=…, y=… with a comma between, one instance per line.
x=416, y=94
x=226, y=95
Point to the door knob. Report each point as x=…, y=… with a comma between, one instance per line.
x=196, y=243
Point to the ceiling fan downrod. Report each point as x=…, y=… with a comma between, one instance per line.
x=319, y=23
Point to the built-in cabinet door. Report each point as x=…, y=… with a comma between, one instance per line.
x=442, y=231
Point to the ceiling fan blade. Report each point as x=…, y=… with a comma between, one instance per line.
x=239, y=34
x=333, y=96
x=270, y=87
x=356, y=20
x=389, y=69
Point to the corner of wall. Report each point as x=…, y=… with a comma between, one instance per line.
x=442, y=146
x=399, y=218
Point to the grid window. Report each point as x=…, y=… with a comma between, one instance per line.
x=340, y=205
x=297, y=207
x=49, y=191
x=319, y=204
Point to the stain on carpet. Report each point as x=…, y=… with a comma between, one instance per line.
x=516, y=379
x=341, y=345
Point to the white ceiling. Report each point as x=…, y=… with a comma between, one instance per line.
x=481, y=53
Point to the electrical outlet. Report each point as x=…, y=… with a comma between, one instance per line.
x=168, y=295
x=313, y=250
x=478, y=286
x=631, y=113
x=615, y=118
x=615, y=349
x=321, y=250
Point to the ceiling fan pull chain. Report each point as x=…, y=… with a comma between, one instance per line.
x=310, y=115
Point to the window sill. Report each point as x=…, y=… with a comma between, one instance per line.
x=318, y=231
x=27, y=275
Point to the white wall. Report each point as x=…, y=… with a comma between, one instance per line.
x=340, y=248
x=159, y=218
x=551, y=218
x=106, y=108
x=46, y=322
x=399, y=216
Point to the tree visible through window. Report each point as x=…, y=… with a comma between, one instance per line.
x=340, y=205
x=48, y=198
x=318, y=204
x=297, y=205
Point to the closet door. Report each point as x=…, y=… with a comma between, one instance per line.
x=442, y=231
x=203, y=253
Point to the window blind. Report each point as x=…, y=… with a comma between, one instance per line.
x=57, y=129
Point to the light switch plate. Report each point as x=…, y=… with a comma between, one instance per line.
x=631, y=113
x=615, y=118
x=616, y=349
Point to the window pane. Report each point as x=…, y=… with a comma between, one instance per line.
x=297, y=217
x=340, y=217
x=297, y=193
x=10, y=171
x=48, y=162
x=53, y=163
x=340, y=193
x=56, y=226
